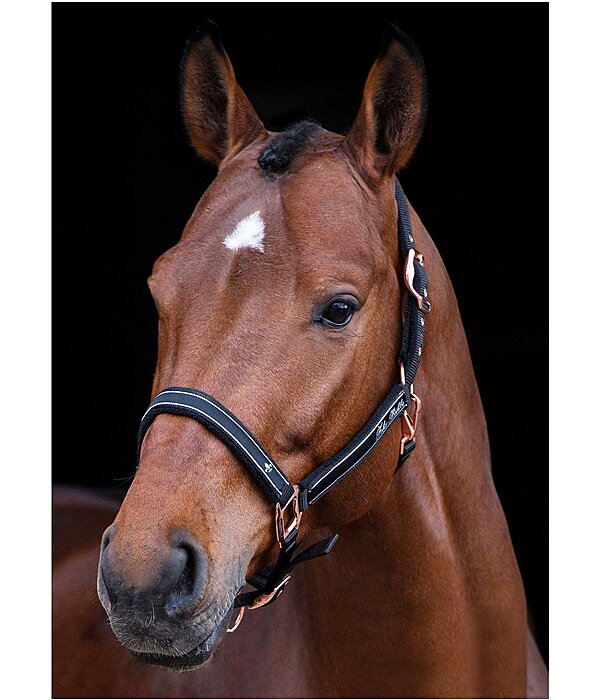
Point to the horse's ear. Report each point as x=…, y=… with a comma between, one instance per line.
x=218, y=116
x=391, y=117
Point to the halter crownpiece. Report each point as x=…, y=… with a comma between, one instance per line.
x=291, y=500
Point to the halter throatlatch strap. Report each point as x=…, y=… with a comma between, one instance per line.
x=292, y=500
x=416, y=307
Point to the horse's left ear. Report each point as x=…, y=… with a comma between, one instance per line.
x=391, y=117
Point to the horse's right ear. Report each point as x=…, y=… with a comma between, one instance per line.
x=218, y=116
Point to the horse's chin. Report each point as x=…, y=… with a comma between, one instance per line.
x=191, y=660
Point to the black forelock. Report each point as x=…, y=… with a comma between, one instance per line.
x=279, y=154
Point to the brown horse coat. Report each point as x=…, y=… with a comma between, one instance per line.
x=422, y=595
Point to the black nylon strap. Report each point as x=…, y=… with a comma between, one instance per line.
x=207, y=411
x=318, y=482
x=413, y=332
x=268, y=579
x=408, y=448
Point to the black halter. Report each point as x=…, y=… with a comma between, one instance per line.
x=292, y=500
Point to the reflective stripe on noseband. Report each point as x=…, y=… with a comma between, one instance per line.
x=292, y=500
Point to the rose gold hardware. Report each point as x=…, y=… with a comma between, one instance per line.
x=409, y=276
x=260, y=602
x=409, y=425
x=268, y=597
x=402, y=374
x=408, y=431
x=238, y=619
x=417, y=402
x=281, y=529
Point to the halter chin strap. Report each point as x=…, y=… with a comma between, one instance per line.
x=292, y=500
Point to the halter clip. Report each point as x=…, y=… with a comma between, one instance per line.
x=409, y=424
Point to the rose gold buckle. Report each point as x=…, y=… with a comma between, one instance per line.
x=266, y=598
x=409, y=276
x=409, y=425
x=408, y=431
x=238, y=619
x=415, y=417
x=282, y=531
x=262, y=600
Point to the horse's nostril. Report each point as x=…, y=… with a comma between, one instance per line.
x=184, y=588
x=191, y=582
x=173, y=587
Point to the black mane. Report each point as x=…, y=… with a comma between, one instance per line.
x=280, y=153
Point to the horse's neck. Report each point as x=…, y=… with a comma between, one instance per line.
x=428, y=576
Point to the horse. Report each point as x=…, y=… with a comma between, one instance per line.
x=283, y=301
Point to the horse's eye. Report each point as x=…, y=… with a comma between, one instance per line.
x=338, y=313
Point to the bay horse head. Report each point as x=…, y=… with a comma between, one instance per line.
x=281, y=300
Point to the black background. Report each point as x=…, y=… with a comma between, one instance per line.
x=125, y=181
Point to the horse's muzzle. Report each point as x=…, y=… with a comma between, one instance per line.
x=172, y=620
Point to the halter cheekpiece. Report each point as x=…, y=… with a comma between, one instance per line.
x=291, y=500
